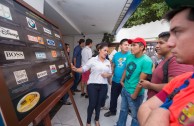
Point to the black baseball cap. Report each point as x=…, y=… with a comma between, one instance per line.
x=174, y=4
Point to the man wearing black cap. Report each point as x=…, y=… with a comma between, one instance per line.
x=174, y=105
x=138, y=66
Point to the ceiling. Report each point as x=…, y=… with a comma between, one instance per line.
x=75, y=17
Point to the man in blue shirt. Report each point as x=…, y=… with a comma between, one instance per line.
x=118, y=67
x=77, y=58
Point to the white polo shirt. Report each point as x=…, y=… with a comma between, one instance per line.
x=97, y=68
x=86, y=54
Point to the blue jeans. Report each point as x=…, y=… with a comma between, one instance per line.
x=115, y=92
x=128, y=103
x=65, y=97
x=96, y=93
x=76, y=81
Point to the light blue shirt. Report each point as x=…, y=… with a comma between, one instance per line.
x=119, y=60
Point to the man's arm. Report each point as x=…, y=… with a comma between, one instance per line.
x=146, y=109
x=123, y=78
x=156, y=87
x=138, y=87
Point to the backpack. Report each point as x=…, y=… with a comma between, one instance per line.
x=165, y=72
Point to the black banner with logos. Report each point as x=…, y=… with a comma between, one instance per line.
x=33, y=61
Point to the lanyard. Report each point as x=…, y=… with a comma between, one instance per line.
x=170, y=97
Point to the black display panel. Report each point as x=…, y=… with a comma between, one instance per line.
x=32, y=56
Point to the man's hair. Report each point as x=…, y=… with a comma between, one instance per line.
x=122, y=41
x=164, y=35
x=81, y=41
x=173, y=12
x=141, y=44
x=88, y=41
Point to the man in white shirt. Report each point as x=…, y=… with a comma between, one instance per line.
x=86, y=55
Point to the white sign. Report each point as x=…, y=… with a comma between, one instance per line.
x=5, y=12
x=53, y=69
x=8, y=33
x=47, y=30
x=58, y=36
x=42, y=74
x=12, y=55
x=61, y=66
x=31, y=23
x=40, y=55
x=20, y=76
x=32, y=38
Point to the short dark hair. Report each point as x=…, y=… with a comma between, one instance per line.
x=164, y=35
x=88, y=41
x=102, y=45
x=81, y=41
x=173, y=12
x=122, y=41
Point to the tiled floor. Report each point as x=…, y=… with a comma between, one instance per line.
x=66, y=115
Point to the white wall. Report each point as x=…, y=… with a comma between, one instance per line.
x=148, y=31
x=73, y=40
x=37, y=4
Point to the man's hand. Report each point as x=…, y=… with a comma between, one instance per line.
x=73, y=67
x=110, y=81
x=122, y=84
x=133, y=96
x=145, y=84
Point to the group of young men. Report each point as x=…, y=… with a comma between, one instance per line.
x=171, y=89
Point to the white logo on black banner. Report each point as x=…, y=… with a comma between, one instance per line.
x=5, y=12
x=12, y=55
x=58, y=36
x=42, y=74
x=47, y=30
x=20, y=76
x=40, y=55
x=53, y=69
x=61, y=66
x=9, y=33
x=50, y=42
x=31, y=23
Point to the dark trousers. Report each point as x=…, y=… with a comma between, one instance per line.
x=65, y=97
x=105, y=97
x=115, y=92
x=96, y=93
x=76, y=81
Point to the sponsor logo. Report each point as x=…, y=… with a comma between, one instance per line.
x=54, y=53
x=20, y=76
x=9, y=33
x=50, y=42
x=40, y=40
x=32, y=38
x=11, y=55
x=47, y=30
x=53, y=69
x=40, y=55
x=61, y=66
x=62, y=53
x=41, y=74
x=5, y=12
x=58, y=36
x=31, y=23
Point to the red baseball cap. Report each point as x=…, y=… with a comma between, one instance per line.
x=136, y=40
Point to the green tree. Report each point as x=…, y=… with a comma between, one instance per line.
x=148, y=10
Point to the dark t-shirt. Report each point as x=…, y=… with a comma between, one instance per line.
x=77, y=55
x=174, y=69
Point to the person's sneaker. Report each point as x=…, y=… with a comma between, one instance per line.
x=86, y=96
x=109, y=113
x=104, y=108
x=67, y=103
x=77, y=90
x=83, y=94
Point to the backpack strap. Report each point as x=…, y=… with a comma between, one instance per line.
x=165, y=70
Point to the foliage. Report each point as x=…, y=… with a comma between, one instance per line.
x=148, y=10
x=108, y=38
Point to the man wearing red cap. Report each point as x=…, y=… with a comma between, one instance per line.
x=138, y=66
x=174, y=105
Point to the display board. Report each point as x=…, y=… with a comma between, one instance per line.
x=33, y=61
